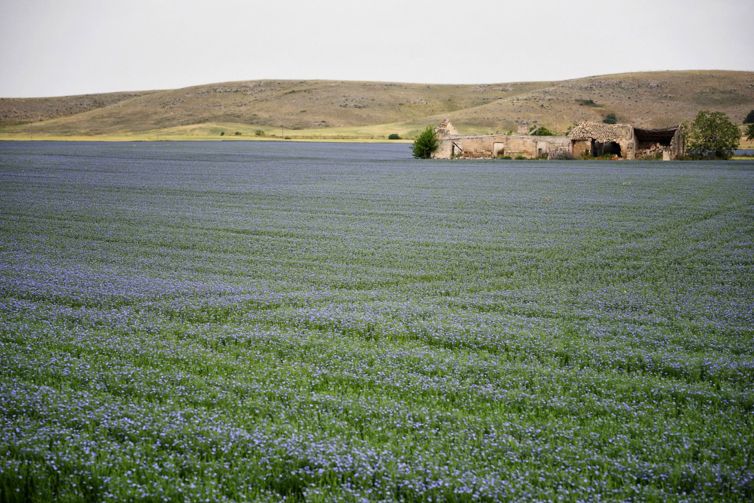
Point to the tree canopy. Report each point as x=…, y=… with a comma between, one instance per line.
x=426, y=143
x=712, y=135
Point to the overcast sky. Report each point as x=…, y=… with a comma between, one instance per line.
x=59, y=47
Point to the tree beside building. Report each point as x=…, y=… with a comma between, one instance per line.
x=712, y=135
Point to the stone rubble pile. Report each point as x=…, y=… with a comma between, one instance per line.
x=653, y=152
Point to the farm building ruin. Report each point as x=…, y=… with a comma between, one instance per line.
x=587, y=139
x=626, y=141
x=453, y=145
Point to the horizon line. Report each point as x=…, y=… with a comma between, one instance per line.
x=154, y=90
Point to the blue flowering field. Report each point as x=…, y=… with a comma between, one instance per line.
x=338, y=322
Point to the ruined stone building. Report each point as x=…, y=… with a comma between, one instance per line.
x=626, y=142
x=587, y=139
x=454, y=145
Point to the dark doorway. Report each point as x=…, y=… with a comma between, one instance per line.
x=645, y=138
x=659, y=136
x=610, y=148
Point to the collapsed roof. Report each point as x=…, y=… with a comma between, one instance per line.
x=600, y=132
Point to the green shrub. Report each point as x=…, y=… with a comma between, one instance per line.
x=520, y=158
x=259, y=132
x=712, y=135
x=750, y=131
x=222, y=133
x=587, y=103
x=610, y=119
x=394, y=136
x=541, y=131
x=237, y=133
x=749, y=118
x=426, y=143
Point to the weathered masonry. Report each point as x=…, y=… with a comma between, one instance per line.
x=452, y=145
x=626, y=142
x=587, y=139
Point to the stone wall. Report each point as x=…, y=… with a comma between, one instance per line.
x=446, y=129
x=444, y=150
x=453, y=145
x=581, y=148
x=491, y=146
x=677, y=145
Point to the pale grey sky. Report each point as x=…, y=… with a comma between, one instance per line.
x=59, y=47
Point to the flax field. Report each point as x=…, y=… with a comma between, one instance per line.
x=239, y=321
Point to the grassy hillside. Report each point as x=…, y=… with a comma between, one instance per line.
x=648, y=99
x=25, y=110
x=343, y=109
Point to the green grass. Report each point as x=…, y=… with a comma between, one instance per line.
x=212, y=131
x=231, y=321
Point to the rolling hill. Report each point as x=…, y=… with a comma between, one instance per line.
x=348, y=109
x=26, y=110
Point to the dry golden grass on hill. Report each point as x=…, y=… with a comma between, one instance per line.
x=343, y=110
x=25, y=110
x=656, y=99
